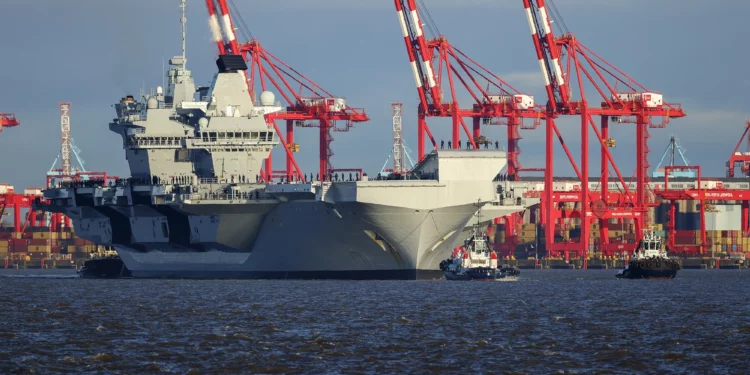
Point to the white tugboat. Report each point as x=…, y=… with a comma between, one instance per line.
x=475, y=260
x=650, y=260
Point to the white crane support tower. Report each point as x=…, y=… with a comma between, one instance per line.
x=398, y=145
x=65, y=132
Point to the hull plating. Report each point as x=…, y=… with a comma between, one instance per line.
x=289, y=240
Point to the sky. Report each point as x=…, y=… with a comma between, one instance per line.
x=93, y=52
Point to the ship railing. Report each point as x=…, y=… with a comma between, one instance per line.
x=508, y=201
x=154, y=142
x=133, y=117
x=235, y=196
x=417, y=175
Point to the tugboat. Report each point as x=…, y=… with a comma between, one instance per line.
x=476, y=261
x=108, y=266
x=650, y=260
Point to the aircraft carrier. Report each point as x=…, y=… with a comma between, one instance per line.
x=194, y=206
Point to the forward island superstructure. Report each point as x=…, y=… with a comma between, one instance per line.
x=195, y=206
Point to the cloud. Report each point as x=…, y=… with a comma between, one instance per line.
x=711, y=123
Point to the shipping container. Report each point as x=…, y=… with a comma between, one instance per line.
x=726, y=217
x=39, y=249
x=18, y=249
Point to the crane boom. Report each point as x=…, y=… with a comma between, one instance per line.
x=420, y=56
x=547, y=51
x=213, y=25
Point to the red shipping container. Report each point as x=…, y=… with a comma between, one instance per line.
x=39, y=242
x=19, y=249
x=18, y=242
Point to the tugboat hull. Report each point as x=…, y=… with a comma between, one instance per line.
x=641, y=273
x=104, y=268
x=482, y=274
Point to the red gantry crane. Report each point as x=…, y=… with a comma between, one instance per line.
x=741, y=158
x=8, y=198
x=308, y=106
x=567, y=67
x=495, y=102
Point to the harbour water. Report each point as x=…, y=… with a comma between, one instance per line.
x=546, y=322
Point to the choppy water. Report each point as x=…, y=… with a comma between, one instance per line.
x=548, y=321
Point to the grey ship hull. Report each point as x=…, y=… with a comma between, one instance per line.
x=352, y=230
x=309, y=240
x=302, y=239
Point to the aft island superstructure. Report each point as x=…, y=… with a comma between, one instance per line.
x=196, y=207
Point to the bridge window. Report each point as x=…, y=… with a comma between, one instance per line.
x=212, y=136
x=246, y=135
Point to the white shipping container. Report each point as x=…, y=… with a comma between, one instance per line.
x=711, y=184
x=736, y=185
x=727, y=217
x=521, y=101
x=649, y=99
x=652, y=100
x=33, y=191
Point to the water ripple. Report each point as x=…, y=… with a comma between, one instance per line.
x=547, y=322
